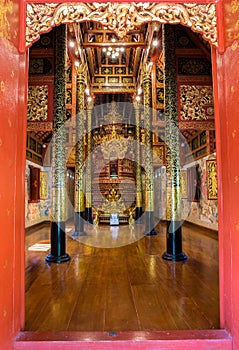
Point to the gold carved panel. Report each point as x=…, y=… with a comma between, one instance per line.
x=121, y=17
x=212, y=179
x=196, y=102
x=37, y=105
x=43, y=185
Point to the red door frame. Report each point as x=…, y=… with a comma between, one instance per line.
x=12, y=154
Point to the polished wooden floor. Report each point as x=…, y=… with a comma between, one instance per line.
x=126, y=288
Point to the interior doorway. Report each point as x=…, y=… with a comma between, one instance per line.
x=195, y=141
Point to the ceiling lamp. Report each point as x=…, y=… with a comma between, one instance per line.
x=155, y=43
x=113, y=52
x=71, y=44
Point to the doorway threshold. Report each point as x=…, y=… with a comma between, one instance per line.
x=176, y=339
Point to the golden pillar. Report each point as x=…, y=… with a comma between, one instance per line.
x=79, y=164
x=148, y=151
x=138, y=163
x=58, y=239
x=173, y=212
x=88, y=208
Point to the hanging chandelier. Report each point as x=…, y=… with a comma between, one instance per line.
x=113, y=52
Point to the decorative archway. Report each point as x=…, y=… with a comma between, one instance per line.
x=121, y=17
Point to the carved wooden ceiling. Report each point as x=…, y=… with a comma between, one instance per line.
x=117, y=77
x=113, y=63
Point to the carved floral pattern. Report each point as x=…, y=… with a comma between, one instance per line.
x=196, y=102
x=37, y=103
x=121, y=17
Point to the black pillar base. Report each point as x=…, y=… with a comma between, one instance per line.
x=138, y=214
x=149, y=224
x=88, y=215
x=178, y=257
x=174, y=242
x=58, y=244
x=57, y=259
x=79, y=224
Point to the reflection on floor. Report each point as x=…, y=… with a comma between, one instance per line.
x=126, y=287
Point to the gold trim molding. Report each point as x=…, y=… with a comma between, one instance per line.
x=121, y=17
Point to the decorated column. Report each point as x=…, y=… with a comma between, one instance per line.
x=148, y=152
x=79, y=164
x=58, y=239
x=138, y=163
x=173, y=212
x=88, y=209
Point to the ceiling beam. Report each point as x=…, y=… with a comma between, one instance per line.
x=114, y=44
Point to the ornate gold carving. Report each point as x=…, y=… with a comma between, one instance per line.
x=138, y=161
x=37, y=105
x=6, y=8
x=149, y=200
x=43, y=185
x=88, y=160
x=197, y=125
x=113, y=115
x=59, y=135
x=121, y=17
x=184, y=184
x=79, y=164
x=114, y=202
x=196, y=102
x=116, y=147
x=39, y=126
x=212, y=179
x=148, y=152
x=173, y=211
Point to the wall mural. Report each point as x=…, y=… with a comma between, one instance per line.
x=205, y=211
x=35, y=212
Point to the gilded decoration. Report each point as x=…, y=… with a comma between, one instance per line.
x=121, y=17
x=138, y=158
x=148, y=152
x=59, y=135
x=114, y=144
x=198, y=125
x=37, y=106
x=196, y=102
x=79, y=162
x=43, y=185
x=88, y=159
x=212, y=179
x=184, y=184
x=173, y=211
x=6, y=9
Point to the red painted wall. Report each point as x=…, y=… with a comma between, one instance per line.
x=12, y=156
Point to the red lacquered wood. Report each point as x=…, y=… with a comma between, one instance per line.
x=168, y=340
x=226, y=75
x=12, y=159
x=220, y=27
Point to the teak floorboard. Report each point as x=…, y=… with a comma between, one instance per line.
x=128, y=288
